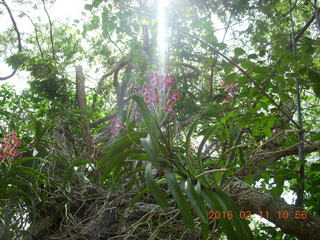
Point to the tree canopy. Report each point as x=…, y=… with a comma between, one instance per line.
x=161, y=119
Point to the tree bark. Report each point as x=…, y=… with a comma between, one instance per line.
x=258, y=202
x=82, y=103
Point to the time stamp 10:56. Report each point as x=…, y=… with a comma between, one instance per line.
x=297, y=214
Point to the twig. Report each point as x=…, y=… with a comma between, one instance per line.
x=300, y=134
x=121, y=64
x=18, y=37
x=268, y=141
x=246, y=74
x=212, y=171
x=50, y=30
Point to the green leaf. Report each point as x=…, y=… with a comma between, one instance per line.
x=271, y=122
x=79, y=162
x=151, y=143
x=138, y=196
x=316, y=90
x=204, y=140
x=140, y=156
x=218, y=177
x=267, y=131
x=248, y=64
x=249, y=179
x=187, y=148
x=255, y=131
x=241, y=225
x=235, y=226
x=196, y=201
x=213, y=200
x=253, y=56
x=114, y=161
x=262, y=53
x=315, y=167
x=28, y=172
x=120, y=144
x=228, y=68
x=238, y=52
x=314, y=77
x=96, y=3
x=180, y=200
x=153, y=155
x=154, y=188
x=147, y=117
x=88, y=7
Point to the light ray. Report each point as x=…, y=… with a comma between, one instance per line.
x=162, y=32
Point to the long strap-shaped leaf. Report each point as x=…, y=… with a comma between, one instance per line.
x=196, y=201
x=235, y=227
x=227, y=227
x=148, y=119
x=180, y=200
x=118, y=145
x=115, y=161
x=154, y=187
x=240, y=225
x=150, y=144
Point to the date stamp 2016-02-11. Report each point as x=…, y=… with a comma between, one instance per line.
x=297, y=214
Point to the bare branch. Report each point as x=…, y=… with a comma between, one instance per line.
x=50, y=30
x=195, y=69
x=306, y=227
x=102, y=120
x=82, y=103
x=259, y=162
x=36, y=32
x=18, y=37
x=302, y=30
x=121, y=64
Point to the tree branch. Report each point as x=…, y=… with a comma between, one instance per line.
x=302, y=30
x=50, y=30
x=259, y=202
x=36, y=32
x=18, y=37
x=121, y=64
x=82, y=103
x=254, y=165
x=247, y=75
x=102, y=120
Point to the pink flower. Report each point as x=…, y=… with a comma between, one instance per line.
x=231, y=87
x=8, y=147
x=168, y=81
x=229, y=96
x=154, y=80
x=157, y=90
x=154, y=97
x=146, y=93
x=169, y=108
x=174, y=95
x=150, y=95
x=224, y=105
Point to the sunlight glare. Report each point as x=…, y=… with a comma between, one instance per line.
x=162, y=32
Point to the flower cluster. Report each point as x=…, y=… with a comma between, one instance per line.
x=9, y=145
x=230, y=89
x=173, y=97
x=158, y=89
x=116, y=125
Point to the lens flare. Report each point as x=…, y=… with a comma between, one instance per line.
x=162, y=32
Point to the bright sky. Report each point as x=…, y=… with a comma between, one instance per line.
x=62, y=10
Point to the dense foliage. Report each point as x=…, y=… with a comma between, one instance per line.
x=219, y=129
